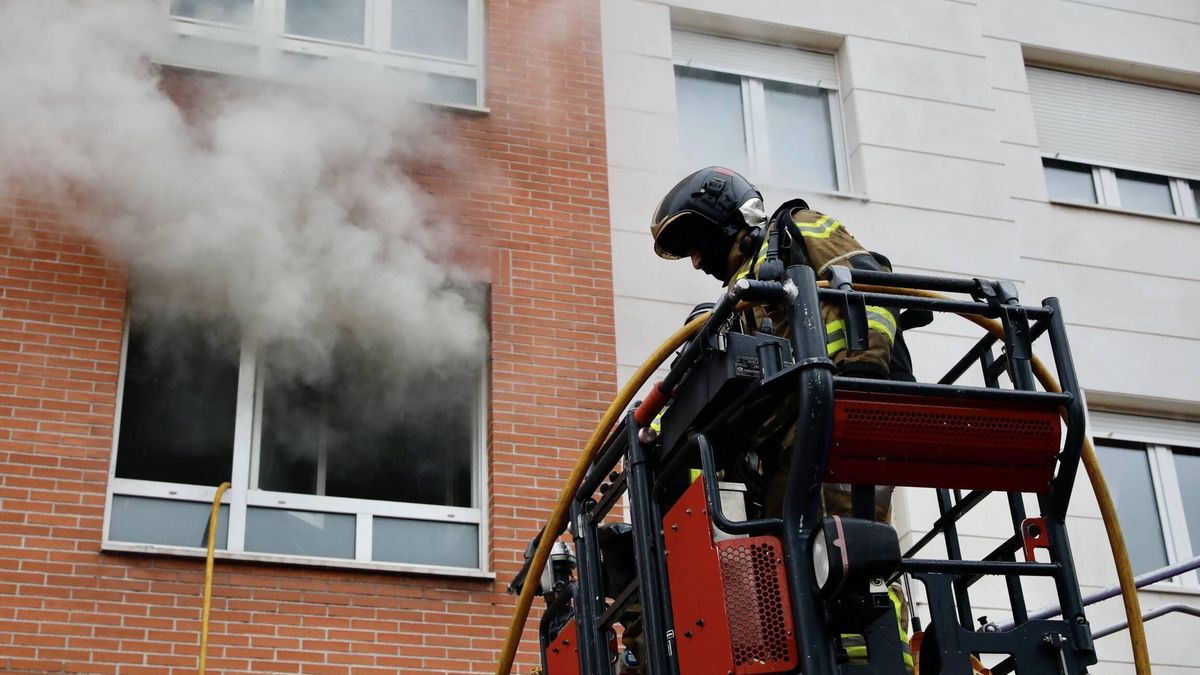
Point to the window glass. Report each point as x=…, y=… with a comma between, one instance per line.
x=800, y=135
x=432, y=27
x=1127, y=471
x=1144, y=192
x=143, y=520
x=452, y=89
x=239, y=12
x=712, y=129
x=179, y=400
x=454, y=544
x=1196, y=196
x=1187, y=468
x=372, y=427
x=327, y=535
x=1069, y=182
x=340, y=20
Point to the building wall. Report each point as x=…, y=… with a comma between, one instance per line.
x=946, y=178
x=532, y=195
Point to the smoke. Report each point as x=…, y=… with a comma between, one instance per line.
x=284, y=208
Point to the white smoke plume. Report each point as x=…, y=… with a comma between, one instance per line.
x=284, y=207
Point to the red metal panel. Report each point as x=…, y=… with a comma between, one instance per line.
x=697, y=599
x=731, y=604
x=896, y=439
x=562, y=655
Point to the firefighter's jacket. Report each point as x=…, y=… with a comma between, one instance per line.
x=825, y=242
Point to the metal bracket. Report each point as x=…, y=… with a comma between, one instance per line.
x=1035, y=536
x=854, y=309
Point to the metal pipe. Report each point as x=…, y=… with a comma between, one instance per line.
x=1152, y=614
x=915, y=565
x=1113, y=591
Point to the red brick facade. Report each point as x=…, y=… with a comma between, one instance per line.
x=541, y=214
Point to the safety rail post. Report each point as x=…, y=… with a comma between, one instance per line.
x=801, y=511
x=648, y=549
x=589, y=602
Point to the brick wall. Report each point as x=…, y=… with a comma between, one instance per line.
x=540, y=217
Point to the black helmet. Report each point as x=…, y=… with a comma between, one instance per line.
x=703, y=212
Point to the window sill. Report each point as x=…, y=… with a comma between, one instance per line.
x=481, y=110
x=1125, y=212
x=280, y=559
x=805, y=193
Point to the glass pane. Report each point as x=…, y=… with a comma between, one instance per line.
x=1068, y=182
x=433, y=27
x=423, y=542
x=1196, y=197
x=327, y=535
x=712, y=129
x=373, y=425
x=1127, y=471
x=800, y=136
x=340, y=20
x=1144, y=192
x=213, y=54
x=142, y=520
x=239, y=12
x=448, y=89
x=179, y=402
x=1187, y=468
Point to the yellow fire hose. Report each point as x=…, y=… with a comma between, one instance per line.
x=557, y=521
x=208, y=575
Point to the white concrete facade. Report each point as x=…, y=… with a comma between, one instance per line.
x=945, y=176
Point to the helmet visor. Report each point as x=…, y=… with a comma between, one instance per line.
x=675, y=237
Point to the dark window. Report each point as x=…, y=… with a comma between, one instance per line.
x=1069, y=182
x=179, y=401
x=1145, y=192
x=371, y=427
x=1127, y=470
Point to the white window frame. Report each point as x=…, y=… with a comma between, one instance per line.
x=266, y=33
x=1157, y=437
x=241, y=495
x=754, y=121
x=1104, y=181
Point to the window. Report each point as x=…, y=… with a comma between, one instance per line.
x=442, y=40
x=1152, y=482
x=347, y=460
x=769, y=112
x=1140, y=144
x=1129, y=190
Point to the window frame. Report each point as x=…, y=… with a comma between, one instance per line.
x=240, y=496
x=1104, y=181
x=1158, y=438
x=266, y=33
x=754, y=120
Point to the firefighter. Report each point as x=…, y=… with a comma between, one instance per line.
x=716, y=218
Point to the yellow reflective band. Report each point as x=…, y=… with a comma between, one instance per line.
x=694, y=475
x=884, y=318
x=822, y=229
x=881, y=328
x=835, y=337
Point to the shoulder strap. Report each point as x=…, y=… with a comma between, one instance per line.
x=782, y=227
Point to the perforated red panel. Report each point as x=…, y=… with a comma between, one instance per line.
x=757, y=604
x=730, y=600
x=892, y=439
